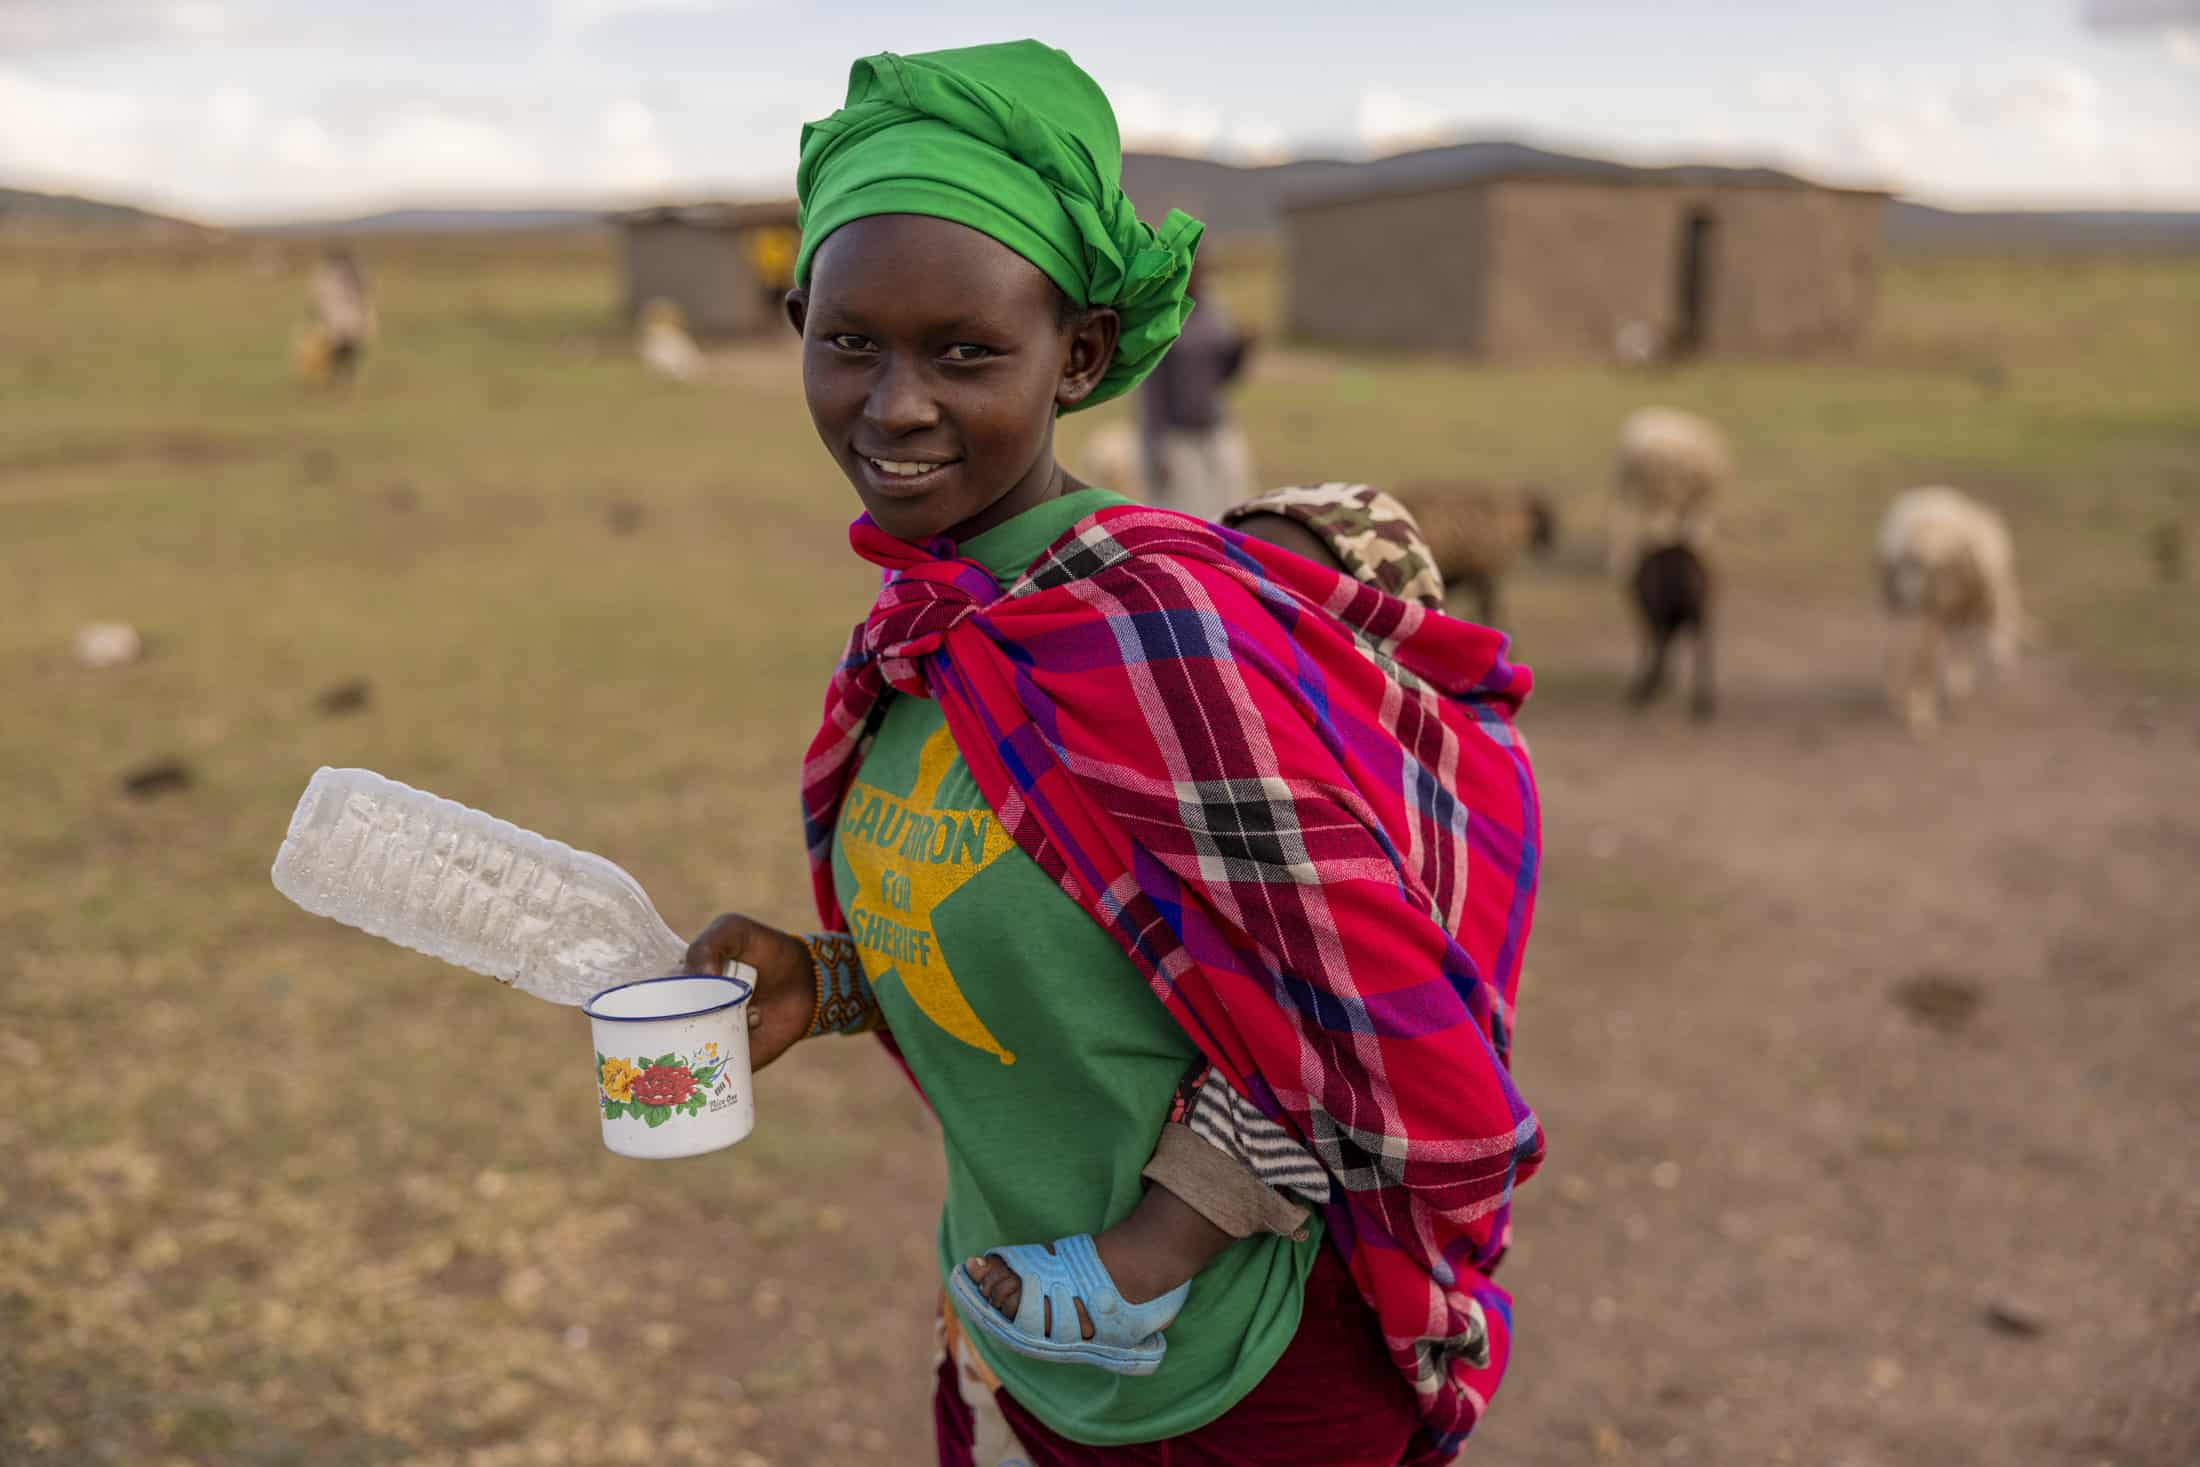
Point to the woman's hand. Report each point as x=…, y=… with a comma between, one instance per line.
x=786, y=986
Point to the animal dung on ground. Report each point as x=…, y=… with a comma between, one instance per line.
x=346, y=697
x=107, y=644
x=2014, y=1317
x=317, y=466
x=1940, y=1001
x=2168, y=542
x=158, y=777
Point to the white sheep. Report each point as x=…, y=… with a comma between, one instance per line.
x=666, y=348
x=1672, y=467
x=1945, y=561
x=1113, y=458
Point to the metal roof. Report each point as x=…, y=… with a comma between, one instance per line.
x=1470, y=164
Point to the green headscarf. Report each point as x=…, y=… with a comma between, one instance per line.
x=1018, y=143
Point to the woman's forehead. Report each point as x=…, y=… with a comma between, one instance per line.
x=915, y=263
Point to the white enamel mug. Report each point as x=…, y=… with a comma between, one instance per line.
x=672, y=1063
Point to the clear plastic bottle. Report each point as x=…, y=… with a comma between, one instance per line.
x=452, y=882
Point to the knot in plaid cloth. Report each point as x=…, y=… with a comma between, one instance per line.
x=928, y=592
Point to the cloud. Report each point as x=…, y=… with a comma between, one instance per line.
x=2184, y=46
x=570, y=17
x=1258, y=142
x=299, y=143
x=633, y=149
x=1998, y=135
x=2044, y=89
x=2111, y=15
x=65, y=135
x=439, y=150
x=233, y=116
x=628, y=123
x=1388, y=122
x=28, y=26
x=1153, y=123
x=1781, y=88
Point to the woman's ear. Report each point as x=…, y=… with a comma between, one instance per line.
x=1091, y=352
x=798, y=308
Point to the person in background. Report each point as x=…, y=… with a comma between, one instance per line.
x=1195, y=459
x=343, y=320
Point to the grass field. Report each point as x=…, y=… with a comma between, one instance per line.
x=271, y=1192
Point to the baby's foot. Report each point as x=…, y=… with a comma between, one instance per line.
x=1144, y=1261
x=1004, y=1290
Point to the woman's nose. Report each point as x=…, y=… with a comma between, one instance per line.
x=900, y=401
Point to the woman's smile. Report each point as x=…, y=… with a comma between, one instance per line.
x=906, y=478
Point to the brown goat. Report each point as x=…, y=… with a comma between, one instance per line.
x=1475, y=534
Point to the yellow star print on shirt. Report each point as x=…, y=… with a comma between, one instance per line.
x=907, y=857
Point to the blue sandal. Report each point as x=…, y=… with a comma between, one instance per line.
x=1126, y=1338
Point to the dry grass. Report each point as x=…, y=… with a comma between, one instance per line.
x=271, y=1193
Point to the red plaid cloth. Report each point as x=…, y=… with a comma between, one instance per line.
x=1301, y=808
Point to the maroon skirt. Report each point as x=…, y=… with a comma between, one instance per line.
x=1332, y=1399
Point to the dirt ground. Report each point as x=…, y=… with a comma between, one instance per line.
x=1869, y=1071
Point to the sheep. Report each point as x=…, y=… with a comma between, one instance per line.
x=1946, y=561
x=1673, y=591
x=1672, y=467
x=1113, y=459
x=1476, y=534
x=665, y=345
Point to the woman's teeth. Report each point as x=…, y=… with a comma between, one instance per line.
x=900, y=469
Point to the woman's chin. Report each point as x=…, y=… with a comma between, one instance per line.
x=920, y=518
x=914, y=523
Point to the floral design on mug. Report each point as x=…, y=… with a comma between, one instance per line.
x=616, y=1078
x=653, y=1091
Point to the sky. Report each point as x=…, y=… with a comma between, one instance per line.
x=236, y=111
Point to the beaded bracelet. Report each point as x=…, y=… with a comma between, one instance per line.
x=845, y=1003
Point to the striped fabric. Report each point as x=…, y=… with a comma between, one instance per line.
x=1234, y=1126
x=1300, y=807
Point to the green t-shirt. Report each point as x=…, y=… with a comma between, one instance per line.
x=1048, y=1060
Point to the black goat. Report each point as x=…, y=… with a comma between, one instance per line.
x=1672, y=589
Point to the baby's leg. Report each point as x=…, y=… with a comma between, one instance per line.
x=1160, y=1245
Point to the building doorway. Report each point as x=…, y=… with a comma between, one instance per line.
x=1692, y=285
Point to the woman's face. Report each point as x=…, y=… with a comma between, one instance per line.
x=933, y=358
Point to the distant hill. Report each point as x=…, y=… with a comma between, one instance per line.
x=22, y=208
x=1921, y=227
x=438, y=221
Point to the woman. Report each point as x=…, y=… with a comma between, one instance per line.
x=1105, y=795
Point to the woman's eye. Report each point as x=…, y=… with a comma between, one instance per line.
x=849, y=341
x=968, y=351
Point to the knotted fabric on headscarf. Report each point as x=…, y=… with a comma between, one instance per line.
x=1298, y=805
x=1017, y=142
